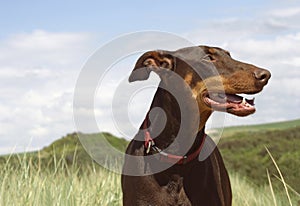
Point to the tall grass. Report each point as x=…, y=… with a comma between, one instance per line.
x=27, y=183
x=246, y=193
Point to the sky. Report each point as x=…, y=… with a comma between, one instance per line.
x=45, y=44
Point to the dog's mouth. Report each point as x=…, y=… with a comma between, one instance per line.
x=231, y=103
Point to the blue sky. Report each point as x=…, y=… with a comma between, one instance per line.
x=117, y=17
x=44, y=44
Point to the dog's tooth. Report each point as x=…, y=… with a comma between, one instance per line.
x=244, y=101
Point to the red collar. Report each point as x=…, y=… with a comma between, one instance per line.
x=165, y=157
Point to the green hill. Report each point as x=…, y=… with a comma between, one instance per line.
x=70, y=150
x=71, y=143
x=229, y=131
x=243, y=150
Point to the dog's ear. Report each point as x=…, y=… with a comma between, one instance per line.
x=157, y=61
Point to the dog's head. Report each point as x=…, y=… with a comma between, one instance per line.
x=203, y=68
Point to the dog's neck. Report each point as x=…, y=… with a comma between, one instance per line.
x=192, y=136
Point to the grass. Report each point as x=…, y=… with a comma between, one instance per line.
x=26, y=183
x=64, y=174
x=246, y=193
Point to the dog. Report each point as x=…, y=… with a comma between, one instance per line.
x=210, y=81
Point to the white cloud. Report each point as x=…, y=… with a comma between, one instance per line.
x=285, y=12
x=294, y=61
x=39, y=131
x=38, y=72
x=281, y=46
x=11, y=72
x=40, y=40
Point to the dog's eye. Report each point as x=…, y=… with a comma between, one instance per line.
x=209, y=58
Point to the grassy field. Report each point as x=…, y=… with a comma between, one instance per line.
x=63, y=173
x=28, y=184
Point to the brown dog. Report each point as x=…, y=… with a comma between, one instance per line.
x=212, y=79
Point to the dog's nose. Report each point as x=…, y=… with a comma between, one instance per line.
x=262, y=76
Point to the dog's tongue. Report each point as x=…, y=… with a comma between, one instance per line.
x=238, y=99
x=230, y=98
x=234, y=98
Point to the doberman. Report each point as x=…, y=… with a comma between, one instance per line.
x=187, y=180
